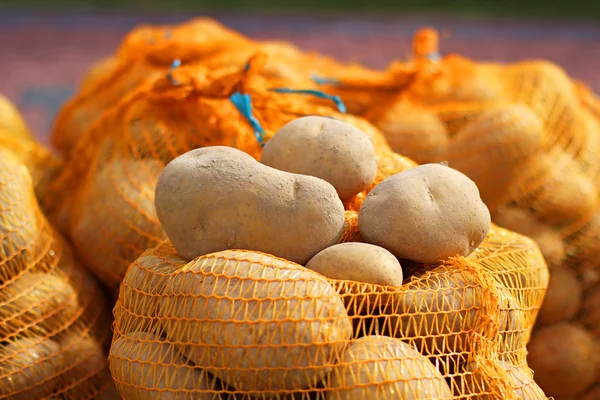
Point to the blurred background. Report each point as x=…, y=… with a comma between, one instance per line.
x=46, y=46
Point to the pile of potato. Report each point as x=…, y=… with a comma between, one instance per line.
x=54, y=317
x=310, y=274
x=529, y=137
x=103, y=199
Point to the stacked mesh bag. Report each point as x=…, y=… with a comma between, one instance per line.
x=529, y=136
x=54, y=317
x=470, y=317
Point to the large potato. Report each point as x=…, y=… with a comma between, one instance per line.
x=28, y=368
x=563, y=297
x=564, y=358
x=217, y=198
x=426, y=214
x=258, y=322
x=380, y=367
x=20, y=225
x=360, y=263
x=326, y=148
x=41, y=302
x=146, y=367
x=114, y=220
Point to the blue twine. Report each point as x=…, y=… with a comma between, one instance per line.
x=243, y=103
x=336, y=99
x=176, y=64
x=323, y=81
x=247, y=67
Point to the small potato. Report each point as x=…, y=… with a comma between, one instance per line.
x=40, y=302
x=563, y=297
x=28, y=368
x=589, y=315
x=326, y=148
x=426, y=214
x=260, y=323
x=381, y=367
x=146, y=367
x=359, y=262
x=549, y=240
x=564, y=358
x=217, y=198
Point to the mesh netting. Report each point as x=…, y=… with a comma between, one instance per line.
x=104, y=197
x=529, y=136
x=54, y=317
x=245, y=324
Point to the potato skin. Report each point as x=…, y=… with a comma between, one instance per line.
x=148, y=364
x=217, y=198
x=426, y=214
x=389, y=369
x=326, y=148
x=258, y=322
x=361, y=262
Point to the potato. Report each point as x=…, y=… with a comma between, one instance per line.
x=217, y=198
x=114, y=220
x=492, y=148
x=360, y=262
x=549, y=240
x=86, y=362
x=426, y=214
x=326, y=148
x=44, y=303
x=11, y=120
x=589, y=314
x=385, y=368
x=20, y=225
x=563, y=297
x=564, y=359
x=592, y=394
x=28, y=368
x=413, y=132
x=258, y=322
x=439, y=311
x=144, y=282
x=146, y=367
x=488, y=381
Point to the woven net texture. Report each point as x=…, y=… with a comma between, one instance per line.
x=529, y=136
x=55, y=319
x=244, y=324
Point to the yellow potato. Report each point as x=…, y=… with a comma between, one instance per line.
x=563, y=297
x=146, y=367
x=564, y=358
x=28, y=368
x=385, y=368
x=326, y=148
x=40, y=302
x=217, y=198
x=426, y=214
x=259, y=323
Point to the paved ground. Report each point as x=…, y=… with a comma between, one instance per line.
x=43, y=57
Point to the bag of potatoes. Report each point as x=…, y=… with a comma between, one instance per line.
x=55, y=321
x=103, y=200
x=258, y=292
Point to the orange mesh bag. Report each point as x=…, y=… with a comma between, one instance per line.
x=528, y=135
x=147, y=51
x=109, y=208
x=11, y=120
x=244, y=324
x=54, y=318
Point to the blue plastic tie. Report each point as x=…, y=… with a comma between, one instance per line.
x=324, y=81
x=336, y=99
x=247, y=67
x=176, y=64
x=243, y=103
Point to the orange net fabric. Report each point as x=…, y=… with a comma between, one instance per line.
x=54, y=317
x=529, y=136
x=108, y=207
x=243, y=324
